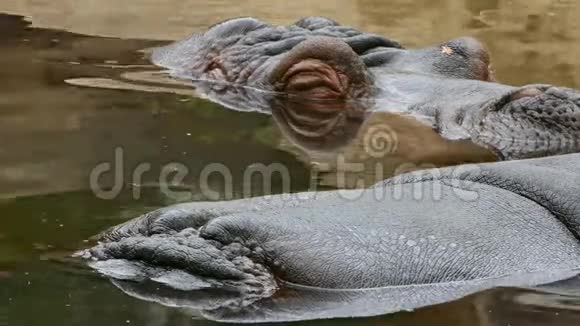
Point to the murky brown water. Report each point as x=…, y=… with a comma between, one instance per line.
x=53, y=134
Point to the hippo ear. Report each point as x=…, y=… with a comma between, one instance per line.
x=322, y=68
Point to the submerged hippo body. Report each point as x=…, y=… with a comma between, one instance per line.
x=382, y=249
x=352, y=253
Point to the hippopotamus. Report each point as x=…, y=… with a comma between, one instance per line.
x=450, y=86
x=414, y=240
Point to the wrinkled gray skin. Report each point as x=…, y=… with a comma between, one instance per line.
x=378, y=250
x=449, y=86
x=513, y=223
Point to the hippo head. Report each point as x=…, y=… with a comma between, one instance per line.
x=315, y=56
x=450, y=86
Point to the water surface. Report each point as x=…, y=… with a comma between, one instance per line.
x=54, y=133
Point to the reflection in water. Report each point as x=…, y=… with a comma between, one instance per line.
x=53, y=134
x=352, y=143
x=296, y=302
x=346, y=143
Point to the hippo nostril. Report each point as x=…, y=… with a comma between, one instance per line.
x=315, y=78
x=216, y=70
x=323, y=68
